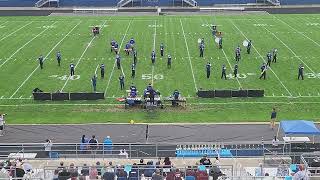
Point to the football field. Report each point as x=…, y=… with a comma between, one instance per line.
x=24, y=39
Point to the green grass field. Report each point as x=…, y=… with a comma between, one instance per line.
x=23, y=39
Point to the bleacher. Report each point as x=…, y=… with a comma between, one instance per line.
x=144, y=3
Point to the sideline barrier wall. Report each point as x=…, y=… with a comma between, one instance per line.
x=67, y=96
x=230, y=93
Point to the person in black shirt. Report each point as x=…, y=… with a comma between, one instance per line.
x=135, y=59
x=72, y=69
x=249, y=47
x=102, y=70
x=235, y=70
x=208, y=69
x=220, y=43
x=205, y=161
x=223, y=74
x=93, y=142
x=121, y=80
x=263, y=71
x=274, y=55
x=41, y=61
x=300, y=71
x=273, y=118
x=169, y=61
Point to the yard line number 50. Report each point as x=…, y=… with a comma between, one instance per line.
x=149, y=76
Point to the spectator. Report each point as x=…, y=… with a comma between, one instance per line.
x=109, y=173
x=107, y=145
x=93, y=142
x=64, y=175
x=134, y=173
x=121, y=173
x=190, y=172
x=99, y=168
x=3, y=172
x=123, y=154
x=141, y=167
x=215, y=172
x=167, y=163
x=149, y=169
x=157, y=175
x=85, y=170
x=217, y=162
x=202, y=175
x=47, y=147
x=282, y=170
x=56, y=175
x=302, y=174
x=93, y=173
x=273, y=118
x=2, y=123
x=259, y=170
x=73, y=172
x=61, y=166
x=205, y=161
x=84, y=144
x=177, y=175
x=275, y=142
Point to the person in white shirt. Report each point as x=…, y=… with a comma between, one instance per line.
x=2, y=122
x=302, y=174
x=47, y=147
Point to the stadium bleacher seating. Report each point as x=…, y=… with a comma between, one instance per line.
x=113, y=3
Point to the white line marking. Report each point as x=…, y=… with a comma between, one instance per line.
x=18, y=50
x=185, y=40
x=297, y=31
x=262, y=58
x=2, y=97
x=43, y=60
x=154, y=49
x=286, y=47
x=15, y=31
x=225, y=55
x=114, y=64
x=95, y=72
x=78, y=62
x=213, y=103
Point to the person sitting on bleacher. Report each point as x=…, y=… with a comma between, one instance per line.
x=202, y=175
x=149, y=169
x=134, y=173
x=174, y=175
x=176, y=95
x=121, y=174
x=205, y=161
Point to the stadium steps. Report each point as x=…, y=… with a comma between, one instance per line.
x=47, y=3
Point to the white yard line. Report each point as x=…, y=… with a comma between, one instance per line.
x=95, y=72
x=185, y=40
x=286, y=47
x=225, y=55
x=81, y=57
x=18, y=50
x=297, y=31
x=114, y=64
x=154, y=49
x=240, y=86
x=43, y=60
x=212, y=103
x=262, y=58
x=15, y=31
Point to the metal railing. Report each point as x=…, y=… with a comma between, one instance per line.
x=123, y=3
x=134, y=151
x=192, y=3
